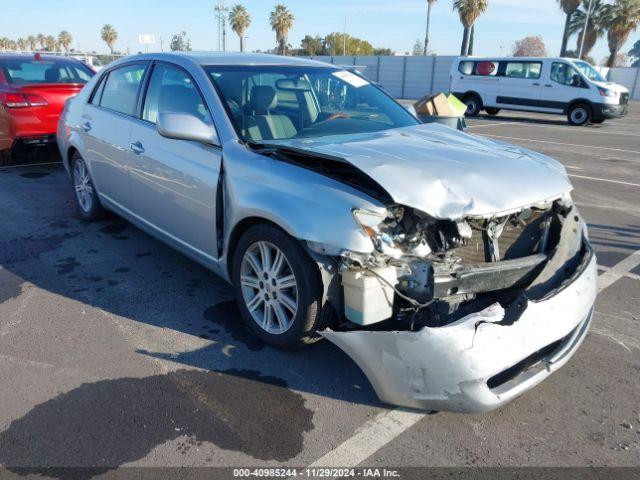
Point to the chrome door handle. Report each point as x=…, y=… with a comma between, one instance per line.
x=86, y=127
x=137, y=148
x=536, y=84
x=548, y=85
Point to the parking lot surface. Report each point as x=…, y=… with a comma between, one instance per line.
x=117, y=351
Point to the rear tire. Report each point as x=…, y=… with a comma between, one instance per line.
x=474, y=105
x=492, y=110
x=278, y=288
x=579, y=114
x=85, y=192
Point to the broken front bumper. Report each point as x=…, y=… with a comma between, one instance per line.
x=479, y=362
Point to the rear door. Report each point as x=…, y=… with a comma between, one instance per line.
x=480, y=76
x=105, y=129
x=175, y=181
x=520, y=85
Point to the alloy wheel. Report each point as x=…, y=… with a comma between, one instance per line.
x=83, y=185
x=269, y=287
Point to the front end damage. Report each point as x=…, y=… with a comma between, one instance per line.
x=465, y=315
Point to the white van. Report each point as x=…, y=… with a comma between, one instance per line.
x=548, y=85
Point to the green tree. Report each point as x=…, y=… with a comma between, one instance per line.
x=568, y=7
x=335, y=44
x=599, y=21
x=32, y=41
x=65, y=40
x=383, y=52
x=418, y=48
x=634, y=54
x=625, y=16
x=312, y=46
x=51, y=43
x=42, y=40
x=180, y=42
x=426, y=35
x=240, y=20
x=281, y=20
x=469, y=11
x=22, y=44
x=109, y=35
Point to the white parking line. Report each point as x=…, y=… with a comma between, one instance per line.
x=370, y=438
x=563, y=144
x=619, y=182
x=564, y=127
x=618, y=271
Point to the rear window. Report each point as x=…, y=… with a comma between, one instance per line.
x=529, y=70
x=24, y=72
x=466, y=68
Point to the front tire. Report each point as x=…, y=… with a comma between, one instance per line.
x=278, y=288
x=86, y=196
x=492, y=111
x=579, y=114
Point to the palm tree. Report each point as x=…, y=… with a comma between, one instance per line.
x=281, y=20
x=22, y=44
x=31, y=40
x=426, y=35
x=469, y=11
x=624, y=18
x=240, y=20
x=42, y=40
x=109, y=36
x=568, y=7
x=596, y=26
x=65, y=39
x=50, y=42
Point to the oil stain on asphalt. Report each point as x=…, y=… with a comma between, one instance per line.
x=111, y=422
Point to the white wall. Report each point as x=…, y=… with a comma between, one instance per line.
x=414, y=77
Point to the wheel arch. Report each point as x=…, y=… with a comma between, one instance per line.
x=576, y=101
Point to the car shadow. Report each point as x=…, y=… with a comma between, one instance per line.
x=554, y=120
x=113, y=266
x=231, y=390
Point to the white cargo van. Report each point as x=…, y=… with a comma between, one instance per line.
x=548, y=85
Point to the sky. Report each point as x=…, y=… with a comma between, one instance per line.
x=392, y=24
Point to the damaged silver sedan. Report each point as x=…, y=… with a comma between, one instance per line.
x=454, y=270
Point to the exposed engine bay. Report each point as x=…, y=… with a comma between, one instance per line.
x=432, y=272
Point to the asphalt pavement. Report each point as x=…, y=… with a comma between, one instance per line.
x=117, y=351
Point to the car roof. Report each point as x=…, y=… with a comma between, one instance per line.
x=45, y=58
x=232, y=58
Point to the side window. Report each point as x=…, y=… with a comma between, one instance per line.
x=529, y=70
x=172, y=90
x=566, y=75
x=465, y=68
x=487, y=69
x=120, y=90
x=97, y=92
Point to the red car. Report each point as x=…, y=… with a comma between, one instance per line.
x=33, y=89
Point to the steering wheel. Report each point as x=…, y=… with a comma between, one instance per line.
x=336, y=115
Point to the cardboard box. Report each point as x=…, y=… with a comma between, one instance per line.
x=434, y=105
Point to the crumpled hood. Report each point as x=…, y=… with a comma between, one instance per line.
x=446, y=173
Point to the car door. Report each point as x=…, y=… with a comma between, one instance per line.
x=520, y=86
x=175, y=181
x=105, y=129
x=563, y=85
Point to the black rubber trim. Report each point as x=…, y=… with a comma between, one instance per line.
x=532, y=102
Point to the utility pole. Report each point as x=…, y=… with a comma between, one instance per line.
x=584, y=30
x=344, y=38
x=221, y=17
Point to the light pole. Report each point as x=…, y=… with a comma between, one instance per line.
x=221, y=12
x=584, y=30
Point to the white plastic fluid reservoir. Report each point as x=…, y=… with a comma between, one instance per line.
x=367, y=298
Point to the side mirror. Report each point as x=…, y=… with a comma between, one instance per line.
x=182, y=126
